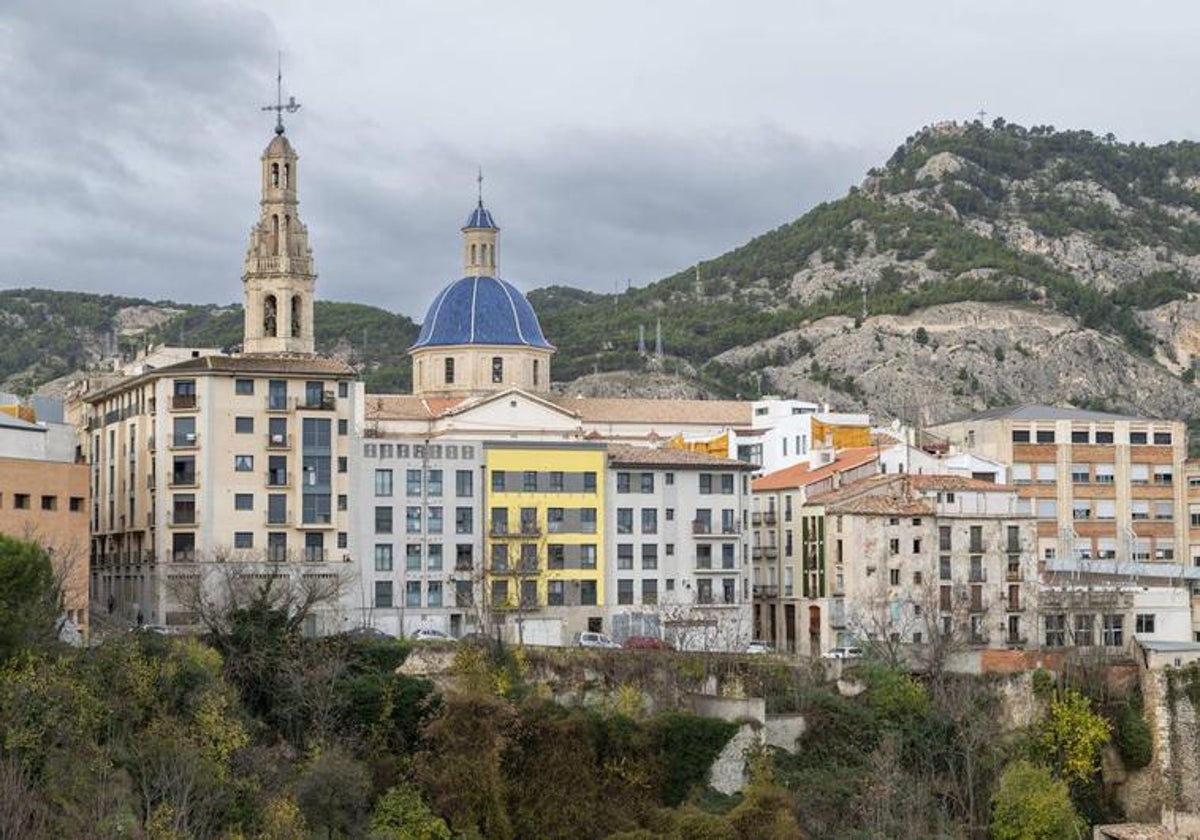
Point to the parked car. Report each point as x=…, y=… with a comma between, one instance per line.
x=759, y=647
x=430, y=634
x=595, y=640
x=647, y=643
x=845, y=653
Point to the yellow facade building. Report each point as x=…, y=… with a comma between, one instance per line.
x=544, y=542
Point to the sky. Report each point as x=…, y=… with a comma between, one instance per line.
x=620, y=141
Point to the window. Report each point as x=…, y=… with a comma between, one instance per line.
x=241, y=426
x=464, y=520
x=1080, y=474
x=1137, y=438
x=706, y=483
x=498, y=369
x=587, y=593
x=916, y=545
x=464, y=484
x=649, y=556
x=383, y=482
x=623, y=482
x=434, y=557
x=624, y=520
x=727, y=484
x=1144, y=623
x=1113, y=630
x=1104, y=438
x=1047, y=508
x=589, y=482
x=434, y=519
x=1163, y=474
x=894, y=577
x=1081, y=509
x=1139, y=473
x=243, y=539
x=412, y=482
x=624, y=591
x=649, y=520
x=587, y=520
x=529, y=481
x=243, y=387
x=1020, y=436
x=433, y=483
x=412, y=557
x=383, y=557
x=243, y=463
x=1045, y=436
x=243, y=501
x=1104, y=474
x=49, y=502
x=498, y=480
x=894, y=545
x=624, y=555
x=944, y=567
x=383, y=520
x=1162, y=438
x=944, y=538
x=1056, y=630
x=1080, y=436
x=647, y=482
x=383, y=594
x=448, y=377
x=1085, y=628
x=649, y=591
x=76, y=504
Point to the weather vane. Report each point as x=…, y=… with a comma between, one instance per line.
x=291, y=106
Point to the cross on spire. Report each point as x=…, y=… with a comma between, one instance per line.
x=981, y=114
x=479, y=183
x=291, y=106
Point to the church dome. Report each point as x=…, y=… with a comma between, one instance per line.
x=481, y=310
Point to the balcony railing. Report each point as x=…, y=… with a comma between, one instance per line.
x=177, y=518
x=184, y=479
x=315, y=554
x=187, y=555
x=765, y=552
x=464, y=566
x=317, y=519
x=326, y=401
x=278, y=478
x=188, y=440
x=766, y=591
x=278, y=518
x=183, y=402
x=760, y=518
x=527, y=529
x=1012, y=573
x=280, y=402
x=977, y=576
x=277, y=554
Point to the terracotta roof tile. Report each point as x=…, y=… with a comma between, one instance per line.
x=624, y=454
x=883, y=505
x=955, y=482
x=801, y=475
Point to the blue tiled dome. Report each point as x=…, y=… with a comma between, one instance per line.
x=481, y=310
x=480, y=217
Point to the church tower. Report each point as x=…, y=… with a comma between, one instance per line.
x=278, y=279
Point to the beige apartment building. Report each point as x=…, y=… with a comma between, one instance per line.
x=228, y=458
x=1107, y=490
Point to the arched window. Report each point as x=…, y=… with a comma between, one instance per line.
x=472, y=254
x=483, y=254
x=274, y=174
x=275, y=234
x=287, y=236
x=497, y=368
x=449, y=371
x=536, y=365
x=287, y=175
x=296, y=304
x=269, y=316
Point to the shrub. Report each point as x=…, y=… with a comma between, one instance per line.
x=1133, y=738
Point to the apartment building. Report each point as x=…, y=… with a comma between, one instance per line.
x=777, y=534
x=544, y=544
x=1107, y=490
x=416, y=534
x=44, y=499
x=228, y=458
x=918, y=560
x=677, y=532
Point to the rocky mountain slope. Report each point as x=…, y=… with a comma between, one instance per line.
x=981, y=265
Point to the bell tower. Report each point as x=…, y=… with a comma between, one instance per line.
x=479, y=240
x=278, y=280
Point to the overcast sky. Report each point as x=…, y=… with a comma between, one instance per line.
x=620, y=140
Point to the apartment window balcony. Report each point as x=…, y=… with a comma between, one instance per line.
x=181, y=517
x=766, y=591
x=316, y=520
x=185, y=441
x=185, y=556
x=527, y=529
x=185, y=479
x=1015, y=641
x=278, y=478
x=765, y=552
x=279, y=518
x=276, y=554
x=463, y=566
x=1013, y=572
x=279, y=441
x=326, y=401
x=183, y=402
x=766, y=518
x=1014, y=605
x=977, y=576
x=315, y=554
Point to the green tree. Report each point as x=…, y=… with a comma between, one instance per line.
x=1030, y=804
x=333, y=791
x=30, y=597
x=400, y=814
x=1071, y=736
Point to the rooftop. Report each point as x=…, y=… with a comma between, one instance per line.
x=956, y=482
x=644, y=456
x=481, y=310
x=296, y=364
x=802, y=475
x=481, y=218
x=1045, y=412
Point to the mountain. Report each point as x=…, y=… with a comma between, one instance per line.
x=980, y=265
x=993, y=264
x=54, y=334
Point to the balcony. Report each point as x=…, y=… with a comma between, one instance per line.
x=1015, y=641
x=325, y=401
x=701, y=528
x=767, y=518
x=181, y=517
x=1014, y=605
x=464, y=566
x=190, y=440
x=277, y=554
x=278, y=478
x=279, y=518
x=977, y=576
x=280, y=402
x=183, y=402
x=315, y=554
x=765, y=591
x=1012, y=574
x=528, y=530
x=279, y=441
x=186, y=555
x=317, y=520
x=184, y=479
x=765, y=552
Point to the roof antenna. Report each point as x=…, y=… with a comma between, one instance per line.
x=291, y=106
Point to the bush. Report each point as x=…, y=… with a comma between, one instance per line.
x=1030, y=804
x=1133, y=738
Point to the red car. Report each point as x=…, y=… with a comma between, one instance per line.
x=647, y=643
